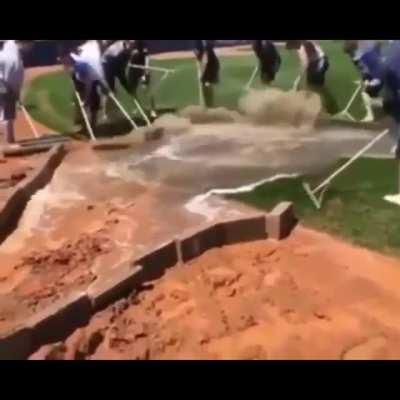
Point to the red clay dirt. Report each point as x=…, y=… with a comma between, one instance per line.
x=308, y=297
x=14, y=170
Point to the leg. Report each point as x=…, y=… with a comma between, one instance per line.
x=94, y=105
x=80, y=89
x=111, y=74
x=10, y=114
x=10, y=137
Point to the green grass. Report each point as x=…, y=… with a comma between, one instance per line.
x=50, y=97
x=353, y=206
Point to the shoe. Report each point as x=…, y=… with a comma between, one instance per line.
x=397, y=151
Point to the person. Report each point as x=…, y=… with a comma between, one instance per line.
x=391, y=90
x=366, y=56
x=88, y=76
x=382, y=70
x=115, y=59
x=140, y=56
x=205, y=54
x=314, y=62
x=11, y=81
x=269, y=59
x=209, y=67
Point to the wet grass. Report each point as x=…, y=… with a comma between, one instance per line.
x=50, y=98
x=353, y=206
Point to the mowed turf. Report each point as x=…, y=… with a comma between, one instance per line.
x=353, y=206
x=50, y=97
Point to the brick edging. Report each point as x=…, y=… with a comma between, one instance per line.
x=58, y=321
x=23, y=191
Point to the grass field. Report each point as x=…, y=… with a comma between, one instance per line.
x=353, y=206
x=50, y=97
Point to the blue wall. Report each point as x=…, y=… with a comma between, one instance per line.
x=45, y=52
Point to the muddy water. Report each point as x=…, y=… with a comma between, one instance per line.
x=232, y=155
x=180, y=167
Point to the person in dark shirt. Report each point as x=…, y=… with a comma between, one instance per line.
x=209, y=68
x=269, y=59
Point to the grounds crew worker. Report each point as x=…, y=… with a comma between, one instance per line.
x=367, y=57
x=89, y=77
x=391, y=90
x=210, y=67
x=269, y=59
x=139, y=55
x=11, y=81
x=382, y=69
x=205, y=54
x=314, y=62
x=115, y=60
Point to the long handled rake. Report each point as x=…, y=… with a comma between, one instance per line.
x=297, y=81
x=200, y=87
x=85, y=116
x=249, y=84
x=122, y=109
x=323, y=187
x=166, y=73
x=345, y=113
x=29, y=120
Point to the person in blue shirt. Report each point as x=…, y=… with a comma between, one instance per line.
x=381, y=72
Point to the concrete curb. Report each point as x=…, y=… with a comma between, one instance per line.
x=58, y=321
x=281, y=221
x=16, y=203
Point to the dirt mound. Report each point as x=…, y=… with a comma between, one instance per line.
x=261, y=300
x=263, y=107
x=49, y=275
x=276, y=107
x=201, y=115
x=173, y=124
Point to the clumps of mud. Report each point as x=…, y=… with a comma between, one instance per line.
x=201, y=115
x=277, y=107
x=173, y=124
x=268, y=107
x=53, y=272
x=11, y=175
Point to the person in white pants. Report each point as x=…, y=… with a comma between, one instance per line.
x=87, y=70
x=11, y=81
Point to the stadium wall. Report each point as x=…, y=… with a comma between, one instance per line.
x=45, y=52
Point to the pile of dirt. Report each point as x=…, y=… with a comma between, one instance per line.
x=50, y=275
x=11, y=173
x=261, y=300
x=173, y=124
x=201, y=115
x=272, y=107
x=277, y=107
